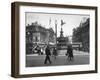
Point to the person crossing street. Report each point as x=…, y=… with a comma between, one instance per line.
x=47, y=52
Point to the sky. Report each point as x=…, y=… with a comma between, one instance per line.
x=48, y=20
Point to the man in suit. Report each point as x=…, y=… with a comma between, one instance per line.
x=47, y=52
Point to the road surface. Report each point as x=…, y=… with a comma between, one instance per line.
x=80, y=58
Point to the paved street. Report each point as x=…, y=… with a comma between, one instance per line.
x=38, y=60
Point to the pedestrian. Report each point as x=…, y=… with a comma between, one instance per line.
x=41, y=51
x=47, y=52
x=54, y=52
x=70, y=53
x=38, y=50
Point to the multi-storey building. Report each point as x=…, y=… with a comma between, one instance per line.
x=81, y=35
x=38, y=35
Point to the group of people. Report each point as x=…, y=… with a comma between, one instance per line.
x=69, y=54
x=38, y=50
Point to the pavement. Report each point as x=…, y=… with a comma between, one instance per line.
x=80, y=58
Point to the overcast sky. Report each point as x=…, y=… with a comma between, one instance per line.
x=48, y=20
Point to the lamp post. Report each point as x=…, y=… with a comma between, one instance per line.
x=56, y=32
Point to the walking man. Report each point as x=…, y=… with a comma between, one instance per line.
x=47, y=52
x=70, y=52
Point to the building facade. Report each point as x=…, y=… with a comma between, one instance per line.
x=81, y=35
x=38, y=35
